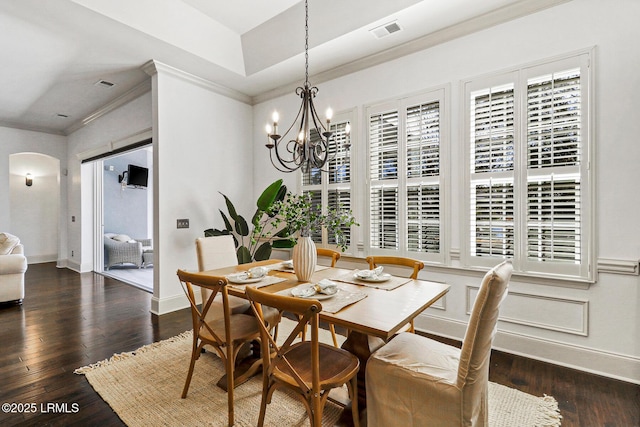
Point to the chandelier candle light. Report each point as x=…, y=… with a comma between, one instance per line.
x=302, y=152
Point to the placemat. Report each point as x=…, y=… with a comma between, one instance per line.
x=392, y=283
x=337, y=302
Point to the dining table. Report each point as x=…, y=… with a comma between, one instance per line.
x=372, y=311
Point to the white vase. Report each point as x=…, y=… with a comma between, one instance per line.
x=304, y=258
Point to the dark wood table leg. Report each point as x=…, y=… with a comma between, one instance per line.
x=361, y=345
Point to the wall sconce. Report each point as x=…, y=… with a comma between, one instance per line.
x=29, y=180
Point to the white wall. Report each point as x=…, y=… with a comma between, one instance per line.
x=14, y=141
x=202, y=146
x=597, y=327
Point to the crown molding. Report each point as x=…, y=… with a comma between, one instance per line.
x=118, y=102
x=154, y=67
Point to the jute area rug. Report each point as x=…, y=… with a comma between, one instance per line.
x=144, y=386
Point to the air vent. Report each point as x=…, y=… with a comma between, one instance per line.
x=104, y=83
x=62, y=116
x=386, y=29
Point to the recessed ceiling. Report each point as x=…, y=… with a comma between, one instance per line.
x=54, y=52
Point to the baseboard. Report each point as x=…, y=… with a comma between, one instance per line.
x=608, y=364
x=39, y=259
x=71, y=265
x=162, y=306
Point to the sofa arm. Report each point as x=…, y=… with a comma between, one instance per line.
x=18, y=249
x=13, y=264
x=145, y=242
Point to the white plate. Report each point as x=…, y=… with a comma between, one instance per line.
x=375, y=279
x=244, y=281
x=308, y=291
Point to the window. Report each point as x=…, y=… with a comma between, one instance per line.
x=529, y=179
x=405, y=177
x=332, y=188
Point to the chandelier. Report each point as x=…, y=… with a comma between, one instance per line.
x=304, y=150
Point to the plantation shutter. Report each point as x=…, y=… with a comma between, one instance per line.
x=530, y=191
x=423, y=177
x=331, y=187
x=342, y=199
x=383, y=173
x=492, y=200
x=316, y=205
x=554, y=229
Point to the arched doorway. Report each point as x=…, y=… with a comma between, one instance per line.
x=35, y=208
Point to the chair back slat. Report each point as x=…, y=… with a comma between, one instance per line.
x=215, y=285
x=416, y=265
x=307, y=312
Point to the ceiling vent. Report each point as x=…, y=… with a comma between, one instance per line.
x=62, y=116
x=386, y=29
x=104, y=83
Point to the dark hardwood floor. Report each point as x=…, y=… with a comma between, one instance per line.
x=69, y=320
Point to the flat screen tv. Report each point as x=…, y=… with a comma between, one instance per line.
x=137, y=176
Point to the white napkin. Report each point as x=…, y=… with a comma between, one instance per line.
x=256, y=272
x=327, y=287
x=243, y=275
x=288, y=263
x=252, y=273
x=368, y=274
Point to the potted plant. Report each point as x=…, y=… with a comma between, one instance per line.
x=256, y=244
x=300, y=217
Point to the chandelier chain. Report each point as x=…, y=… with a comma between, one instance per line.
x=306, y=43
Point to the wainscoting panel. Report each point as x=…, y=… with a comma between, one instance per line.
x=566, y=315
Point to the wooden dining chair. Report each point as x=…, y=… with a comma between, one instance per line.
x=335, y=256
x=416, y=265
x=309, y=368
x=417, y=381
x=226, y=335
x=329, y=253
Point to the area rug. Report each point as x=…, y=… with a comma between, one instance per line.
x=144, y=386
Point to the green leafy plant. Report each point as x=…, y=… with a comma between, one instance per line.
x=299, y=215
x=256, y=244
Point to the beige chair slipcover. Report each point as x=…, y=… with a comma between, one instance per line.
x=416, y=381
x=217, y=252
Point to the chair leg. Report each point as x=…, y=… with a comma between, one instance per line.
x=194, y=357
x=355, y=413
x=230, y=365
x=263, y=401
x=333, y=335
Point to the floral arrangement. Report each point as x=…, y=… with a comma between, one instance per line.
x=299, y=215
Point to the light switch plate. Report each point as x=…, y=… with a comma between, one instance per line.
x=182, y=223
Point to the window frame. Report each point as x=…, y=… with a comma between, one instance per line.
x=584, y=271
x=402, y=181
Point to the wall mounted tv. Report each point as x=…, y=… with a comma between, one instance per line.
x=137, y=176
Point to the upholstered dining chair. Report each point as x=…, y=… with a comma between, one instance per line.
x=376, y=261
x=226, y=334
x=309, y=368
x=216, y=252
x=416, y=381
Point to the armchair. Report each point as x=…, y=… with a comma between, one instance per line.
x=121, y=249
